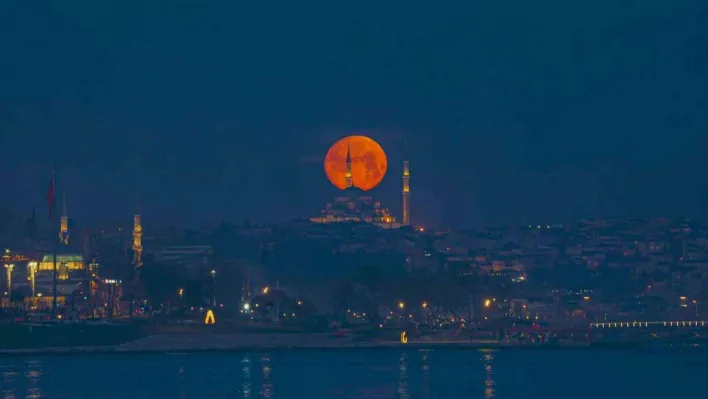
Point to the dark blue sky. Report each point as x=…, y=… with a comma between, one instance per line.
x=515, y=110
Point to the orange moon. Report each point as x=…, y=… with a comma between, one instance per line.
x=369, y=162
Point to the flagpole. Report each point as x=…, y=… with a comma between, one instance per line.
x=54, y=246
x=54, y=276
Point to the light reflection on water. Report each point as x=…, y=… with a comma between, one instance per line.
x=425, y=375
x=489, y=384
x=246, y=376
x=403, y=376
x=26, y=376
x=266, y=391
x=370, y=374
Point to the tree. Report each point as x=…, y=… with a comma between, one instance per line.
x=162, y=282
x=371, y=276
x=193, y=293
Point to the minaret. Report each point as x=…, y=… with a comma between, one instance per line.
x=406, y=191
x=348, y=175
x=137, y=239
x=64, y=224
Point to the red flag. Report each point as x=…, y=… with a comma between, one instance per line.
x=50, y=196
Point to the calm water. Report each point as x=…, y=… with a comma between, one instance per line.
x=361, y=374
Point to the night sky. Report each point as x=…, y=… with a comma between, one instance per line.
x=515, y=111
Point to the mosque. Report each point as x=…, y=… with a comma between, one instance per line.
x=354, y=205
x=74, y=274
x=71, y=267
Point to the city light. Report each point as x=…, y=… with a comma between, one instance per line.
x=567, y=313
x=9, y=278
x=31, y=274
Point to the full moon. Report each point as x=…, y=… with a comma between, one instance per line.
x=369, y=162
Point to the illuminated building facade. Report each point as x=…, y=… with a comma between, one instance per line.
x=66, y=265
x=356, y=207
x=70, y=275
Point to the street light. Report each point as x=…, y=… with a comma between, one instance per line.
x=9, y=281
x=32, y=270
x=401, y=305
x=213, y=287
x=112, y=285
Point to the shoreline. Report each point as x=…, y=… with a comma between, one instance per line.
x=88, y=351
x=419, y=346
x=233, y=343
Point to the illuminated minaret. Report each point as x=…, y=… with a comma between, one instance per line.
x=406, y=192
x=64, y=224
x=137, y=239
x=348, y=175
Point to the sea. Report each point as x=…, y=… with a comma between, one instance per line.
x=365, y=374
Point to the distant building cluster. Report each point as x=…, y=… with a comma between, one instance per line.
x=623, y=270
x=588, y=270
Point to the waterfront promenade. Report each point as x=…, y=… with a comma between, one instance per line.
x=216, y=342
x=131, y=339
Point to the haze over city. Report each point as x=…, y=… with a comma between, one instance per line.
x=514, y=113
